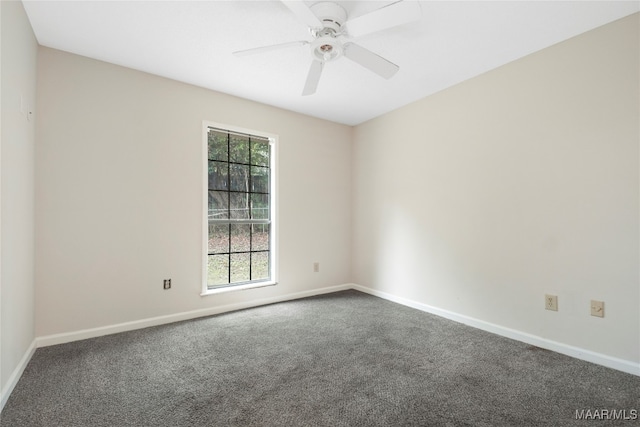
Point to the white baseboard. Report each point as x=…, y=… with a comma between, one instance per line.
x=55, y=339
x=576, y=352
x=16, y=374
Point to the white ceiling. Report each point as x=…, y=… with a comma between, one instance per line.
x=193, y=41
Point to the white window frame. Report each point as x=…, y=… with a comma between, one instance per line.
x=273, y=209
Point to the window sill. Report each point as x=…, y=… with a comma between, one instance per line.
x=237, y=288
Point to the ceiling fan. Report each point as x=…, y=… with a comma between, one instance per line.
x=331, y=29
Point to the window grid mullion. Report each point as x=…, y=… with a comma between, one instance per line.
x=238, y=252
x=229, y=204
x=250, y=211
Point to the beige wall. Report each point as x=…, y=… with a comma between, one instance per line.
x=119, y=195
x=19, y=52
x=477, y=200
x=523, y=181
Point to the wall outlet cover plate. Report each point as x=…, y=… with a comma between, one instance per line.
x=551, y=302
x=597, y=308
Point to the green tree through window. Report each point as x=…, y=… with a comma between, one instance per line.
x=239, y=211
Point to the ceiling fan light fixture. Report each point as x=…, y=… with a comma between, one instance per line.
x=326, y=49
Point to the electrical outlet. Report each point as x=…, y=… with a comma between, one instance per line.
x=316, y=267
x=597, y=308
x=167, y=284
x=551, y=302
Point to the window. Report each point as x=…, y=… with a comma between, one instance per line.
x=240, y=211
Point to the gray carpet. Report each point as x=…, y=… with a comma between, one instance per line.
x=342, y=359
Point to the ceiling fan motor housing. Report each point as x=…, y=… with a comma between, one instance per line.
x=326, y=46
x=331, y=15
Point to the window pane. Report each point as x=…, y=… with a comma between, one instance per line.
x=240, y=237
x=260, y=206
x=218, y=175
x=259, y=179
x=259, y=152
x=259, y=265
x=239, y=147
x=239, y=178
x=218, y=146
x=218, y=238
x=239, y=205
x=218, y=205
x=240, y=267
x=260, y=237
x=218, y=270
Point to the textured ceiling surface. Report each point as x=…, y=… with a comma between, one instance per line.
x=194, y=41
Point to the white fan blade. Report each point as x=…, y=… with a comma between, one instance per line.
x=303, y=13
x=269, y=48
x=370, y=60
x=401, y=12
x=313, y=78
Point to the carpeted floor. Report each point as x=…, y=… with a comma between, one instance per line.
x=342, y=359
